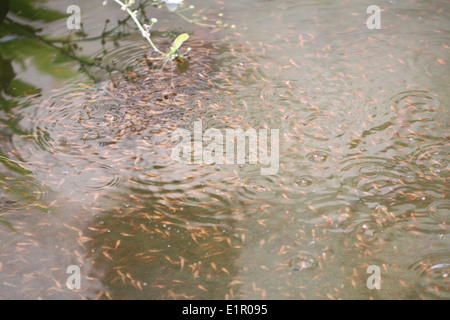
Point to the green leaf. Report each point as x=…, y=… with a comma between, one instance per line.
x=6, y=73
x=178, y=42
x=4, y=8
x=28, y=10
x=45, y=58
x=18, y=88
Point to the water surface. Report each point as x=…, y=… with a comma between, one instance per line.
x=364, y=157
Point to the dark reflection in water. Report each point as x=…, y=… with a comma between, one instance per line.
x=87, y=176
x=146, y=252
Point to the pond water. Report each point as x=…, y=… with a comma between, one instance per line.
x=87, y=176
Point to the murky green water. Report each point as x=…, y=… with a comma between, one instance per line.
x=364, y=155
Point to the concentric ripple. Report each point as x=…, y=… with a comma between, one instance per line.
x=192, y=198
x=317, y=156
x=371, y=175
x=431, y=63
x=257, y=186
x=370, y=171
x=123, y=58
x=303, y=181
x=367, y=231
x=432, y=159
x=20, y=193
x=360, y=231
x=432, y=275
x=96, y=177
x=440, y=211
x=319, y=127
x=414, y=102
x=415, y=112
x=303, y=260
x=366, y=167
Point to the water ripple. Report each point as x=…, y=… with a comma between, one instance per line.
x=317, y=156
x=414, y=102
x=432, y=275
x=95, y=177
x=303, y=260
x=18, y=193
x=258, y=186
x=431, y=158
x=440, y=211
